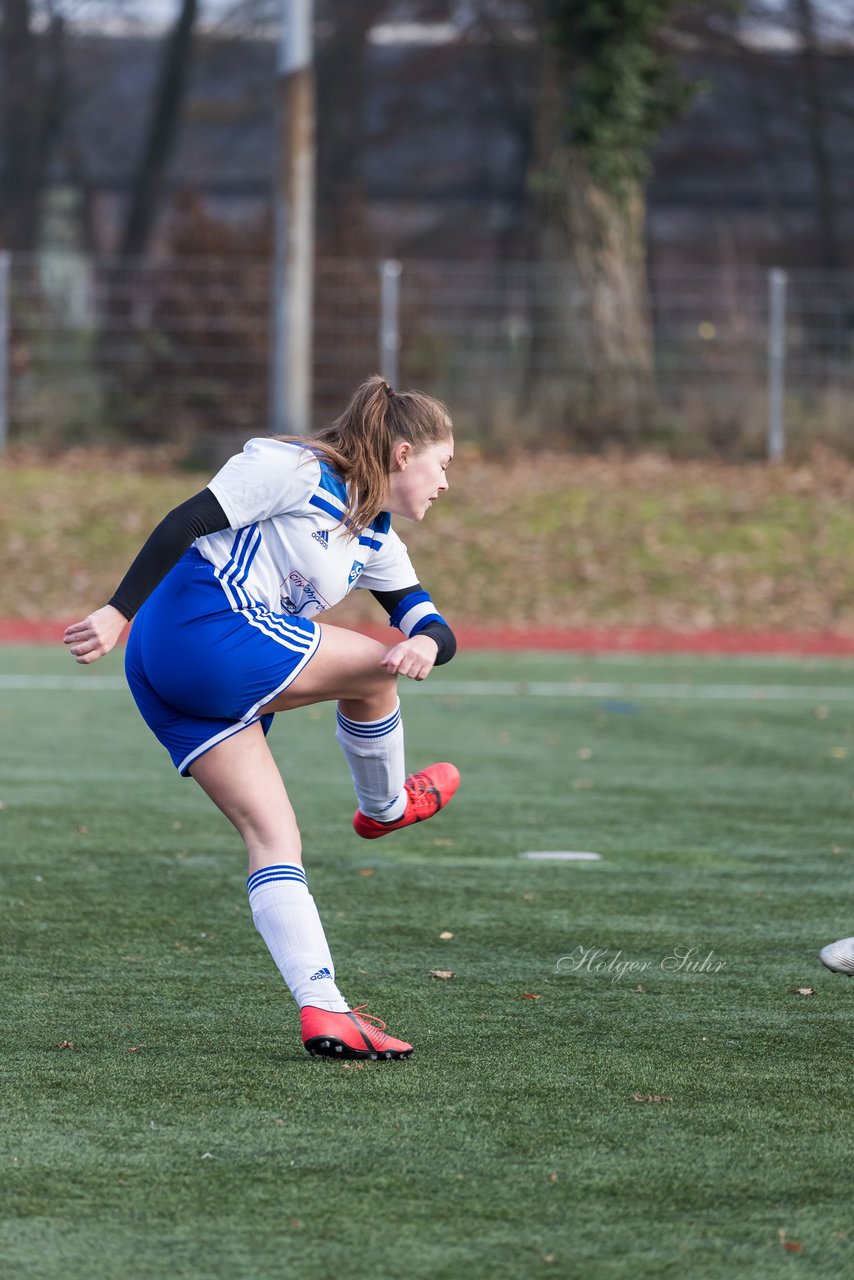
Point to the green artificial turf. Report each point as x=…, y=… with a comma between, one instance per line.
x=184, y=1132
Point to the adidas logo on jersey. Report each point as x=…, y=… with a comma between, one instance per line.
x=321, y=973
x=321, y=536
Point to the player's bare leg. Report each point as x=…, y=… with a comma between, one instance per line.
x=243, y=780
x=348, y=666
x=241, y=777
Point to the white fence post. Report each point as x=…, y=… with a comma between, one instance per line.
x=777, y=281
x=390, y=272
x=5, y=264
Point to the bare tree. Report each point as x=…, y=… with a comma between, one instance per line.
x=605, y=89
x=30, y=110
x=794, y=58
x=341, y=83
x=161, y=134
x=804, y=17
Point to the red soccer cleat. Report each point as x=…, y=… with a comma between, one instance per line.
x=349, y=1035
x=426, y=793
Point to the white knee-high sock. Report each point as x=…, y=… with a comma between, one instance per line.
x=286, y=918
x=374, y=751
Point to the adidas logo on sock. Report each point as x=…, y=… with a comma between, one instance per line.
x=321, y=536
x=321, y=973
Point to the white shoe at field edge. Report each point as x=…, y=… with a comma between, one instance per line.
x=838, y=956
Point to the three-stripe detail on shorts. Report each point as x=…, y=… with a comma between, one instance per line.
x=232, y=576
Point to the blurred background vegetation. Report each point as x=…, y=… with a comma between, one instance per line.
x=545, y=540
x=585, y=200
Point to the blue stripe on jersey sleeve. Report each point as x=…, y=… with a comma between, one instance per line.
x=425, y=622
x=409, y=602
x=403, y=606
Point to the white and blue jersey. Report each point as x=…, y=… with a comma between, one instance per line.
x=287, y=550
x=231, y=625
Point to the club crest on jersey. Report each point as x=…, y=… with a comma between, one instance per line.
x=354, y=572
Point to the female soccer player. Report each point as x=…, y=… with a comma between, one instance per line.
x=223, y=596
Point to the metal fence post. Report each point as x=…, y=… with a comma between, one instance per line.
x=390, y=272
x=777, y=281
x=5, y=264
x=293, y=265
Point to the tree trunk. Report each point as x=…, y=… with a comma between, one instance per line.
x=125, y=333
x=342, y=226
x=29, y=112
x=591, y=367
x=162, y=131
x=819, y=151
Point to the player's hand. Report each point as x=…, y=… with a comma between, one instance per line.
x=95, y=635
x=413, y=658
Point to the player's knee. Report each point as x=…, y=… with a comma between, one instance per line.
x=269, y=835
x=374, y=680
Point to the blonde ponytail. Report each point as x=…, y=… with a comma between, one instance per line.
x=359, y=444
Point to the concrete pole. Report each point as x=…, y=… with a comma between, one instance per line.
x=390, y=270
x=5, y=264
x=777, y=280
x=293, y=198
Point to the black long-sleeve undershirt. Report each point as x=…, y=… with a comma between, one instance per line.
x=177, y=531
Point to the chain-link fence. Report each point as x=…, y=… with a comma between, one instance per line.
x=732, y=361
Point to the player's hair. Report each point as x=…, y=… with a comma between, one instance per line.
x=359, y=443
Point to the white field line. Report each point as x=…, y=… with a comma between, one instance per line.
x=631, y=692
x=622, y=691
x=44, y=684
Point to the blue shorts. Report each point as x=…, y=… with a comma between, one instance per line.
x=199, y=671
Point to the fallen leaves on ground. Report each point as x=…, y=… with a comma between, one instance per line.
x=637, y=539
